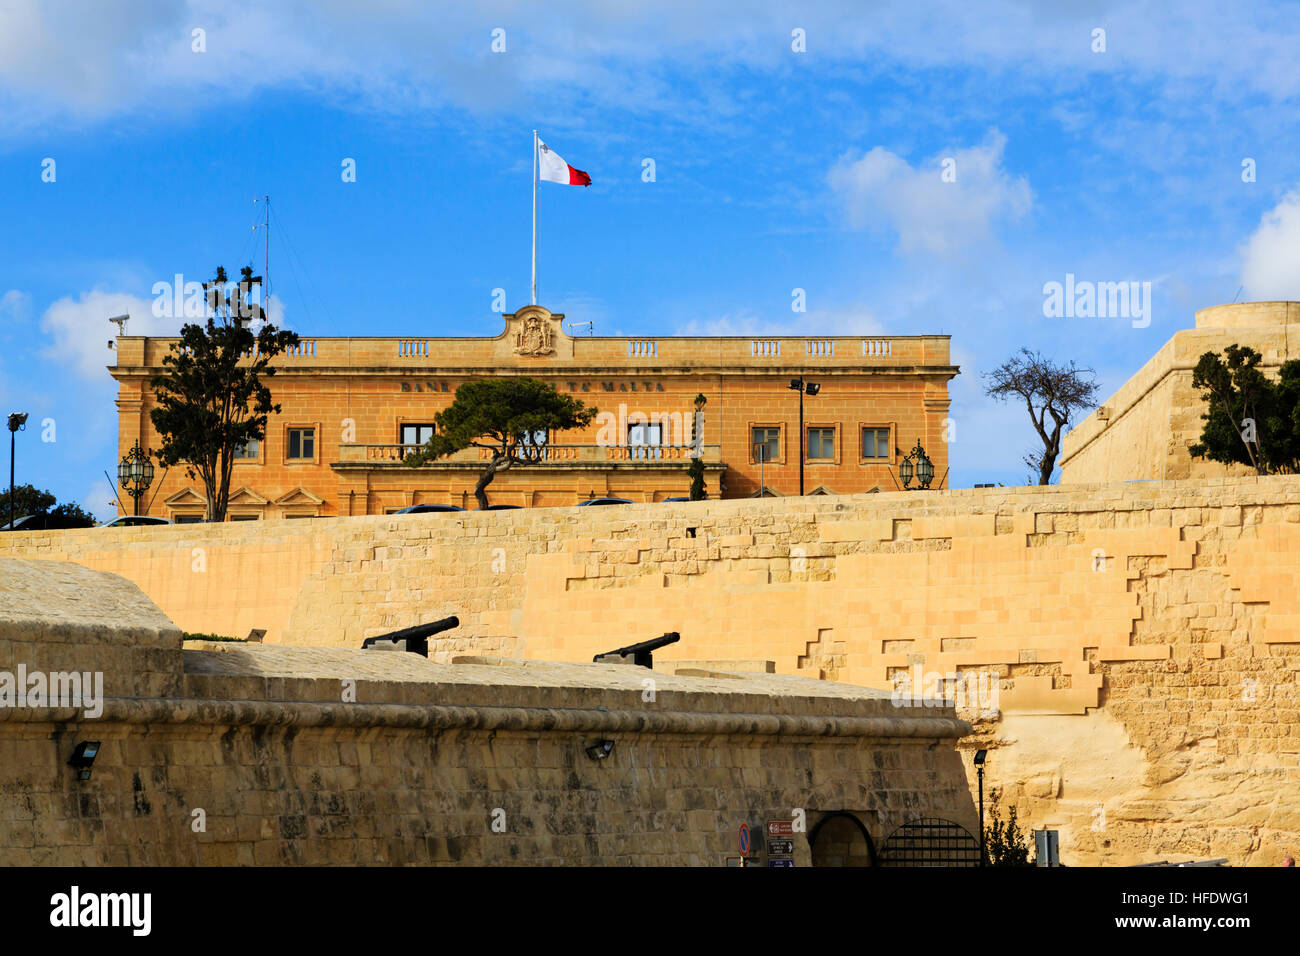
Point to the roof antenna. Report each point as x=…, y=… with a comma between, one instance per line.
x=266, y=265
x=1234, y=298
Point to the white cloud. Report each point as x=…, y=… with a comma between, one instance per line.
x=81, y=330
x=15, y=306
x=97, y=501
x=1270, y=259
x=947, y=219
x=84, y=59
x=851, y=320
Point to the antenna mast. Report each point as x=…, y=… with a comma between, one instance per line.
x=266, y=263
x=266, y=272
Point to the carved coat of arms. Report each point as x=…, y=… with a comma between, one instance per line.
x=534, y=338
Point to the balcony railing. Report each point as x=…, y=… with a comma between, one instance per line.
x=548, y=454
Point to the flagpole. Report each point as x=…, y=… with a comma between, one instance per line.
x=534, y=217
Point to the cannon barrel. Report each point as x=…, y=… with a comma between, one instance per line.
x=641, y=653
x=416, y=637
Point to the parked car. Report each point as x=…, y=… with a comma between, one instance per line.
x=604, y=501
x=46, y=522
x=136, y=521
x=682, y=498
x=427, y=509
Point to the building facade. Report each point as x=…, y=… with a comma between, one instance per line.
x=352, y=409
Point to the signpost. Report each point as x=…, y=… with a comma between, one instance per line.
x=771, y=845
x=780, y=843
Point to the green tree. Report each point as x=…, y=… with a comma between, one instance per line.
x=1250, y=419
x=30, y=500
x=696, y=468
x=211, y=396
x=510, y=417
x=1004, y=842
x=1049, y=391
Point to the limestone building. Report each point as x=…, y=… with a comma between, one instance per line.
x=1143, y=431
x=352, y=408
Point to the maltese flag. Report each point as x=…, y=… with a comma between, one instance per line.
x=553, y=169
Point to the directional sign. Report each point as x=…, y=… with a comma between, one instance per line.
x=744, y=839
x=780, y=828
x=781, y=862
x=780, y=847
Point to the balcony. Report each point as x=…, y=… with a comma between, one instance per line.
x=557, y=456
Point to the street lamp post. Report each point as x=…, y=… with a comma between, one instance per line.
x=135, y=473
x=17, y=423
x=812, y=388
x=979, y=768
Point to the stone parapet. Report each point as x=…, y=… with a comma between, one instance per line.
x=264, y=755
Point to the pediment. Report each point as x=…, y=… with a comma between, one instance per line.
x=245, y=497
x=299, y=496
x=186, y=498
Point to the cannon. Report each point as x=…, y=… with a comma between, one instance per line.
x=640, y=653
x=414, y=640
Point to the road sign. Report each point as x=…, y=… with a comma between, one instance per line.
x=780, y=847
x=744, y=839
x=780, y=828
x=781, y=862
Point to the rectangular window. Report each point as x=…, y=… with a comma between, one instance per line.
x=766, y=443
x=645, y=439
x=532, y=445
x=875, y=443
x=243, y=517
x=302, y=443
x=188, y=519
x=821, y=443
x=246, y=451
x=416, y=434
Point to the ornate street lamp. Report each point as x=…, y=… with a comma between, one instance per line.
x=917, y=463
x=135, y=473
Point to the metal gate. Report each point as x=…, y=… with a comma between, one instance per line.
x=930, y=842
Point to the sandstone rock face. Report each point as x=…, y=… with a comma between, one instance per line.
x=1127, y=651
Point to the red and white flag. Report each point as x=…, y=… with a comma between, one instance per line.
x=553, y=169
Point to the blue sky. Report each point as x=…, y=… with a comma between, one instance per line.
x=775, y=170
